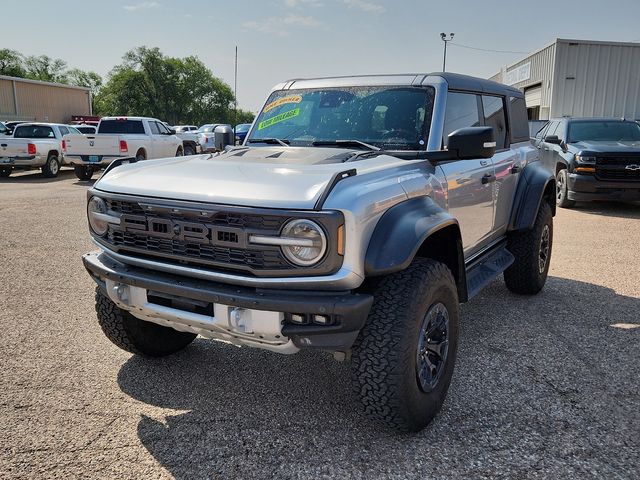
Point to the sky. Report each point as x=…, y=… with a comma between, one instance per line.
x=282, y=39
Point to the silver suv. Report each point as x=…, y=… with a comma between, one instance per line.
x=358, y=214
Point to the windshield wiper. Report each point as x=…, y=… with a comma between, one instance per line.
x=284, y=143
x=346, y=143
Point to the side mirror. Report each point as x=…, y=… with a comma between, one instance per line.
x=472, y=142
x=553, y=139
x=223, y=137
x=172, y=131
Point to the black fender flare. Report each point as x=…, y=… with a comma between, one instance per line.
x=533, y=182
x=400, y=233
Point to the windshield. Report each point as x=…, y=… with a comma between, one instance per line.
x=207, y=128
x=33, y=131
x=395, y=118
x=603, y=131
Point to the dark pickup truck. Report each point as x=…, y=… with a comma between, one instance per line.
x=593, y=158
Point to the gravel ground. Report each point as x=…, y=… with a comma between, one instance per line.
x=545, y=386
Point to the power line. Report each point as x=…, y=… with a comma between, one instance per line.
x=486, y=49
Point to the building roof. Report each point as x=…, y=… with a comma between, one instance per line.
x=39, y=82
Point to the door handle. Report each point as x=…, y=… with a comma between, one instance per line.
x=515, y=169
x=488, y=178
x=484, y=163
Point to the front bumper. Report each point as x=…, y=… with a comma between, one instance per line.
x=86, y=160
x=29, y=161
x=585, y=188
x=241, y=315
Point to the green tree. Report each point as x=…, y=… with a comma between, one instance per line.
x=46, y=69
x=176, y=90
x=11, y=63
x=91, y=80
x=243, y=116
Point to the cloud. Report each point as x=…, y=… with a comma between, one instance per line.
x=364, y=5
x=141, y=6
x=303, y=3
x=278, y=25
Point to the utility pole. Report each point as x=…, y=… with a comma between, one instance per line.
x=446, y=40
x=235, y=95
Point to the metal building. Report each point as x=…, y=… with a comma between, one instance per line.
x=23, y=99
x=578, y=78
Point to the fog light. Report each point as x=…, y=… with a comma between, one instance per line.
x=297, y=318
x=321, y=319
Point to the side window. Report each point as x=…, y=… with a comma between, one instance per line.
x=154, y=128
x=462, y=111
x=561, y=131
x=518, y=120
x=162, y=128
x=63, y=131
x=541, y=133
x=553, y=126
x=494, y=117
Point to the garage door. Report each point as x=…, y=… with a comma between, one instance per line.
x=533, y=96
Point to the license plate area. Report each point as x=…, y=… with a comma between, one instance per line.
x=94, y=158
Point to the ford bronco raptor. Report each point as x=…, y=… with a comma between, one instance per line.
x=356, y=216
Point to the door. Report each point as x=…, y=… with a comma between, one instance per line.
x=168, y=148
x=158, y=141
x=546, y=149
x=470, y=182
x=504, y=161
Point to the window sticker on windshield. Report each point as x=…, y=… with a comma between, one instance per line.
x=282, y=101
x=279, y=118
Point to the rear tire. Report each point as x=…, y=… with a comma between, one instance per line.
x=189, y=150
x=140, y=155
x=82, y=172
x=5, y=172
x=401, y=381
x=532, y=251
x=562, y=190
x=135, y=335
x=52, y=167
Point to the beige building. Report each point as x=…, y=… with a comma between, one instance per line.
x=578, y=78
x=22, y=99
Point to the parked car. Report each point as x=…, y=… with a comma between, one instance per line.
x=190, y=140
x=185, y=128
x=241, y=132
x=340, y=225
x=207, y=136
x=140, y=137
x=34, y=145
x=86, y=129
x=593, y=158
x=12, y=125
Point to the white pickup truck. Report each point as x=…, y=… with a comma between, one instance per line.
x=117, y=137
x=34, y=145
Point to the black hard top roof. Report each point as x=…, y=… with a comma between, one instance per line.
x=458, y=81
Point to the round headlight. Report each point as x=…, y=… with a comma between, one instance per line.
x=96, y=212
x=307, y=242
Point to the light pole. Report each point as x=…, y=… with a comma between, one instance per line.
x=446, y=40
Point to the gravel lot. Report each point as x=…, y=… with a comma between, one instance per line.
x=545, y=387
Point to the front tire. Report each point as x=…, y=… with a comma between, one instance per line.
x=52, y=167
x=532, y=251
x=403, y=358
x=5, y=172
x=135, y=335
x=82, y=172
x=562, y=190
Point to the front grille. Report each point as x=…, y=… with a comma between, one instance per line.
x=211, y=236
x=615, y=168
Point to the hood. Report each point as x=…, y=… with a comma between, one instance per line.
x=607, y=147
x=272, y=177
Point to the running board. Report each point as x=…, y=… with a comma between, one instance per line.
x=486, y=269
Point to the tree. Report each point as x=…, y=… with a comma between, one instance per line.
x=243, y=116
x=176, y=90
x=11, y=63
x=46, y=69
x=91, y=80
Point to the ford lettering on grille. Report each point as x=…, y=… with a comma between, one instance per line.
x=188, y=232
